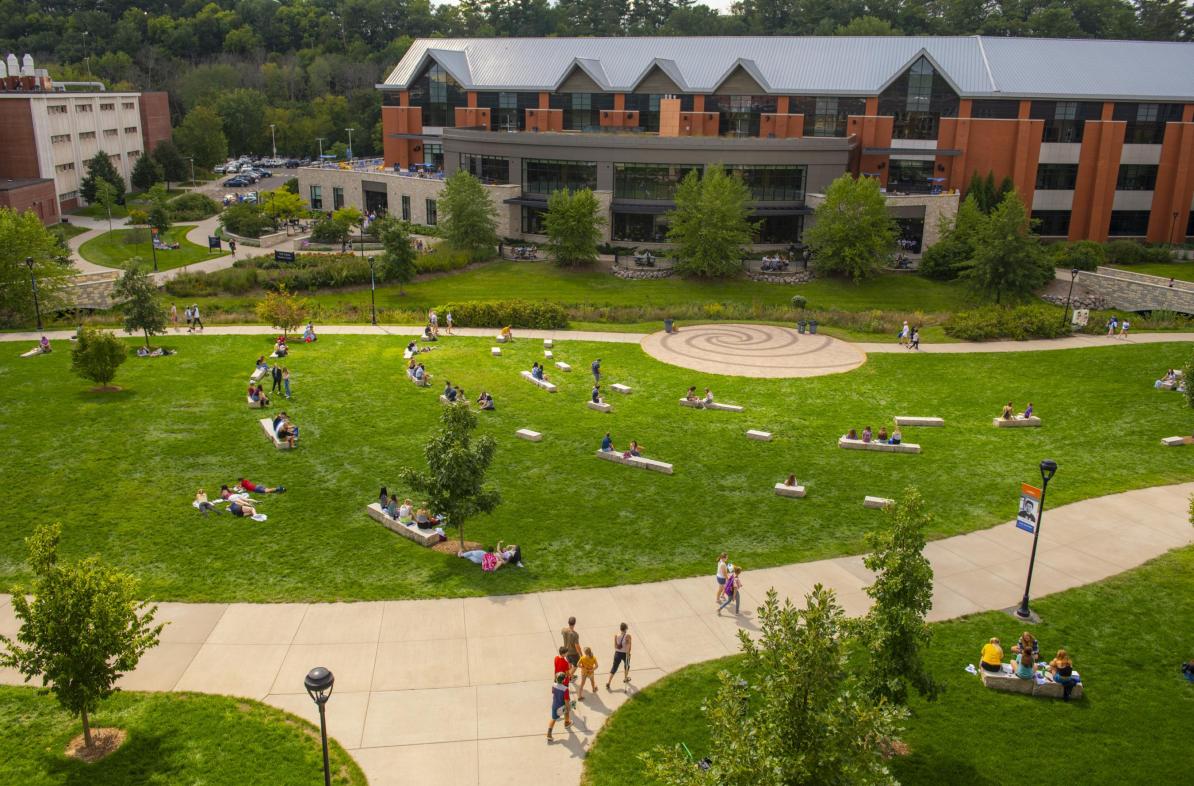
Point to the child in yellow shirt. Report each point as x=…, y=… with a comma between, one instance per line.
x=588, y=668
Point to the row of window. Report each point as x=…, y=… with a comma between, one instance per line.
x=1124, y=223
x=1063, y=177
x=316, y=202
x=653, y=227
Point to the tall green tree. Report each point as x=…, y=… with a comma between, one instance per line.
x=852, y=234
x=96, y=356
x=105, y=197
x=467, y=216
x=243, y=112
x=454, y=482
x=99, y=167
x=145, y=173
x=710, y=226
x=175, y=168
x=953, y=252
x=201, y=134
x=895, y=629
x=81, y=630
x=795, y=714
x=282, y=205
x=24, y=237
x=573, y=224
x=1009, y=262
x=140, y=302
x=397, y=262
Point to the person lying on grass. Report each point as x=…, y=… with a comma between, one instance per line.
x=260, y=488
x=203, y=504
x=509, y=554
x=242, y=509
x=156, y=352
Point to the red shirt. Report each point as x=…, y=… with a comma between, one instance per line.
x=562, y=665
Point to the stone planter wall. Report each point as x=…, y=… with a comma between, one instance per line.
x=643, y=274
x=787, y=277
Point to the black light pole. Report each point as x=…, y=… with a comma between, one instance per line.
x=33, y=282
x=1048, y=468
x=319, y=683
x=153, y=245
x=1073, y=278
x=372, y=278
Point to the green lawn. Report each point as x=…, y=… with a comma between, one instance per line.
x=173, y=738
x=67, y=230
x=1127, y=636
x=1182, y=271
x=119, y=470
x=116, y=248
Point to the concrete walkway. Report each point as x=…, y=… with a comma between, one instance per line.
x=197, y=235
x=454, y=692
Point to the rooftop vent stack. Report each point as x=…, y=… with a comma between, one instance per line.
x=27, y=65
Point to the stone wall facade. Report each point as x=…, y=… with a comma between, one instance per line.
x=1131, y=293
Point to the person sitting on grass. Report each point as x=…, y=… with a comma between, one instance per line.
x=597, y=399
x=44, y=345
x=992, y=657
x=506, y=334
x=429, y=334
x=459, y=394
x=607, y=444
x=486, y=401
x=424, y=519
x=867, y=434
x=204, y=505
x=383, y=498
x=309, y=333
x=259, y=488
x=1188, y=670
x=1061, y=670
x=449, y=392
x=852, y=434
x=1025, y=664
x=1009, y=412
x=691, y=395
x=1028, y=411
x=882, y=435
x=708, y=400
x=280, y=348
x=257, y=396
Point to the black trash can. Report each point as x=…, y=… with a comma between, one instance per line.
x=812, y=326
x=667, y=325
x=800, y=326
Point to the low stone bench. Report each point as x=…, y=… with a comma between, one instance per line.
x=528, y=435
x=423, y=384
x=1018, y=421
x=548, y=343
x=547, y=354
x=495, y=351
x=268, y=425
x=1175, y=442
x=1008, y=682
x=877, y=502
x=445, y=400
x=500, y=338
x=907, y=420
x=858, y=444
x=600, y=407
x=700, y=404
x=784, y=490
x=410, y=531
x=635, y=461
x=625, y=390
x=543, y=383
x=257, y=404
x=562, y=366
x=258, y=374
x=761, y=436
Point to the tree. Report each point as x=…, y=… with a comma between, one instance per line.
x=96, y=356
x=467, y=215
x=709, y=225
x=1008, y=258
x=105, y=197
x=283, y=310
x=159, y=219
x=23, y=236
x=455, y=481
x=866, y=25
x=795, y=714
x=852, y=234
x=1081, y=254
x=82, y=629
x=146, y=172
x=175, y=168
x=573, y=224
x=946, y=258
x=140, y=302
x=397, y=260
x=100, y=167
x=282, y=205
x=895, y=627
x=1188, y=392
x=201, y=135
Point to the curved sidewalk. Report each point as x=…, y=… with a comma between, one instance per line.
x=456, y=691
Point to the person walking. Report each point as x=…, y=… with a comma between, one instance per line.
x=1111, y=326
x=232, y=247
x=286, y=382
x=622, y=647
x=276, y=374
x=174, y=316
x=189, y=318
x=573, y=652
x=905, y=334
x=1123, y=329
x=559, y=704
x=733, y=591
x=722, y=573
x=915, y=343
x=448, y=323
x=596, y=368
x=195, y=316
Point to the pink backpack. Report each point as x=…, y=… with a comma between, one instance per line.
x=489, y=562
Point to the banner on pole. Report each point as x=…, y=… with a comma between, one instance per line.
x=1030, y=508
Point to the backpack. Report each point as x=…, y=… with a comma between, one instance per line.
x=489, y=562
x=730, y=584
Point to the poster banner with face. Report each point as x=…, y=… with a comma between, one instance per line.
x=1030, y=508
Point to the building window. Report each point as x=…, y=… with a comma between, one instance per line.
x=337, y=197
x=134, y=155
x=995, y=109
x=778, y=229
x=82, y=107
x=917, y=102
x=1136, y=177
x=107, y=107
x=405, y=208
x=66, y=195
x=65, y=167
x=316, y=198
x=650, y=181
x=87, y=135
x=1190, y=225
x=1146, y=122
x=739, y=115
x=128, y=105
x=507, y=111
x=489, y=169
x=1056, y=177
x=532, y=220
x=911, y=177
x=56, y=109
x=130, y=129
x=771, y=183
x=542, y=176
x=58, y=138
x=110, y=132
x=826, y=115
x=582, y=111
x=1065, y=121
x=433, y=156
x=640, y=227
x=1128, y=223
x=438, y=94
x=1052, y=223
x=912, y=234
x=432, y=217
x=647, y=106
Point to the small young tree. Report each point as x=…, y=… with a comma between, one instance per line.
x=140, y=302
x=146, y=172
x=100, y=167
x=467, y=215
x=282, y=206
x=949, y=256
x=573, y=223
x=895, y=627
x=709, y=224
x=159, y=219
x=1008, y=261
x=105, y=197
x=175, y=168
x=455, y=481
x=82, y=629
x=283, y=310
x=397, y=262
x=794, y=715
x=96, y=356
x=852, y=234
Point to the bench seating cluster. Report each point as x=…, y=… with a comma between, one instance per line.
x=499, y=338
x=424, y=537
x=635, y=461
x=252, y=404
x=495, y=351
x=908, y=420
x=858, y=444
x=543, y=383
x=268, y=425
x=784, y=490
x=1009, y=682
x=700, y=404
x=548, y=343
x=1019, y=421
x=547, y=355
x=258, y=374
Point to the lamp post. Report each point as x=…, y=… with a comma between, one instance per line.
x=153, y=245
x=1073, y=277
x=192, y=160
x=372, y=277
x=349, y=151
x=1048, y=468
x=33, y=282
x=319, y=683
x=320, y=139
x=273, y=141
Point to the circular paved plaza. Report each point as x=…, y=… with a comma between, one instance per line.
x=753, y=351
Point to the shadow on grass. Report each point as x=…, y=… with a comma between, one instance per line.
x=138, y=760
x=106, y=395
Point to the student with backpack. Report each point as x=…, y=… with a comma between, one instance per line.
x=733, y=589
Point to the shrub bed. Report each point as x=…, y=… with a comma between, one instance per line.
x=995, y=322
x=308, y=272
x=441, y=259
x=192, y=207
x=516, y=313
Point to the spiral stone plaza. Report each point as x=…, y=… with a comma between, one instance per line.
x=761, y=351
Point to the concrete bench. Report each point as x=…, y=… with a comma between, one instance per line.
x=1018, y=421
x=562, y=366
x=258, y=374
x=528, y=435
x=907, y=420
x=423, y=537
x=784, y=490
x=495, y=351
x=877, y=502
x=548, y=343
x=1166, y=385
x=268, y=425
x=600, y=407
x=500, y=338
x=543, y=383
x=445, y=400
x=700, y=404
x=1174, y=442
x=547, y=354
x=858, y=444
x=419, y=384
x=253, y=404
x=635, y=461
x=619, y=388
x=1008, y=682
x=761, y=436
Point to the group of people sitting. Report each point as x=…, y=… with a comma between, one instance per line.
x=485, y=401
x=240, y=504
x=258, y=396
x=309, y=333
x=453, y=393
x=1172, y=380
x=508, y=554
x=538, y=372
x=418, y=373
x=882, y=437
x=1009, y=412
x=774, y=264
x=285, y=430
x=1027, y=663
x=607, y=445
x=691, y=395
x=280, y=348
x=405, y=512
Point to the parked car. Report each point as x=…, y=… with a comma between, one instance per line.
x=293, y=163
x=264, y=173
x=236, y=182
